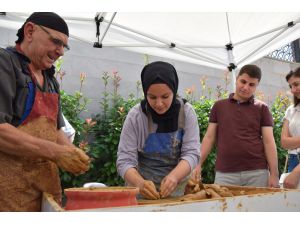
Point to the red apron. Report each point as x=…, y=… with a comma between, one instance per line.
x=23, y=180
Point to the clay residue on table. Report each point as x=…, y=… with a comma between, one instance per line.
x=217, y=192
x=238, y=190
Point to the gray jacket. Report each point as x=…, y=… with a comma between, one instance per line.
x=135, y=132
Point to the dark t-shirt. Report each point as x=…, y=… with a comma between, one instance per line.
x=14, y=78
x=239, y=138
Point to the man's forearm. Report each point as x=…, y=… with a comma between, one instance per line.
x=133, y=178
x=271, y=156
x=181, y=170
x=208, y=141
x=206, y=148
x=19, y=143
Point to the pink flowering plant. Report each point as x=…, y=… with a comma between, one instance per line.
x=99, y=136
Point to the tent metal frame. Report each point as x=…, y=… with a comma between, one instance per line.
x=186, y=50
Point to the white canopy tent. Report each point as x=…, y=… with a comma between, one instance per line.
x=219, y=40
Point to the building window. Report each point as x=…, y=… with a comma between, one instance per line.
x=284, y=53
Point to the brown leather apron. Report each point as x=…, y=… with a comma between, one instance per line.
x=23, y=180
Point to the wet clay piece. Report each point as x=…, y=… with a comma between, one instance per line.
x=215, y=192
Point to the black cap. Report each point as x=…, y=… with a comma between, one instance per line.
x=46, y=19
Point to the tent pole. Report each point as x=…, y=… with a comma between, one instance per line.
x=262, y=45
x=232, y=66
x=185, y=52
x=140, y=33
x=106, y=29
x=233, y=78
x=265, y=33
x=161, y=46
x=168, y=43
x=229, y=48
x=215, y=59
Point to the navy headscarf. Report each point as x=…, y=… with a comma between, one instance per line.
x=161, y=73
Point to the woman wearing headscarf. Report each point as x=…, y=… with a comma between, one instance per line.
x=160, y=142
x=290, y=134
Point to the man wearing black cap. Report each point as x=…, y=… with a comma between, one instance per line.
x=32, y=146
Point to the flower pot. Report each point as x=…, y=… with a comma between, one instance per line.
x=87, y=198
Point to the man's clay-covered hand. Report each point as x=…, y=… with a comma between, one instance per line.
x=73, y=160
x=148, y=190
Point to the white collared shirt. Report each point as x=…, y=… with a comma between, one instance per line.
x=292, y=114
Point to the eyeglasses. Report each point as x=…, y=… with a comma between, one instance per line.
x=56, y=41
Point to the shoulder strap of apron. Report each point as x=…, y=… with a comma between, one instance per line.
x=181, y=118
